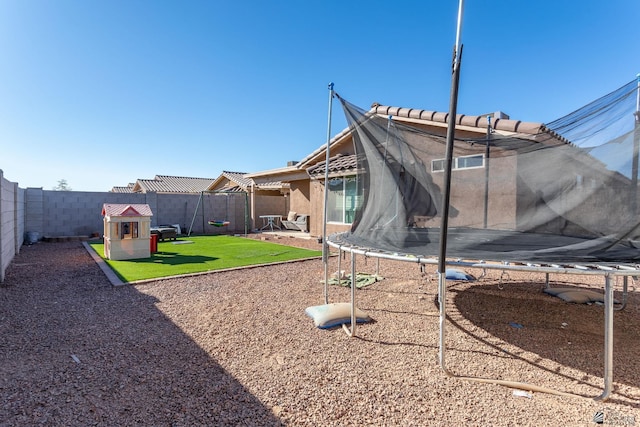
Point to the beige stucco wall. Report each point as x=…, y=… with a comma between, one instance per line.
x=317, y=206
x=468, y=196
x=299, y=197
x=267, y=203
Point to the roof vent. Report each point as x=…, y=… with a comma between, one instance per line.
x=497, y=115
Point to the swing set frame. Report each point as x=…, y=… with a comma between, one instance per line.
x=225, y=221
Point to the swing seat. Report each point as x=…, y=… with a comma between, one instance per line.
x=219, y=223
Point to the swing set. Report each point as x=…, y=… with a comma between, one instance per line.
x=219, y=223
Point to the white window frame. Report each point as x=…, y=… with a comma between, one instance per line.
x=357, y=201
x=455, y=163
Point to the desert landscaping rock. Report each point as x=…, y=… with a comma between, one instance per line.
x=235, y=348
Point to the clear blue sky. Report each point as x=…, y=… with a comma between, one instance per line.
x=101, y=93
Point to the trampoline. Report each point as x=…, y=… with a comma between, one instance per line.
x=560, y=197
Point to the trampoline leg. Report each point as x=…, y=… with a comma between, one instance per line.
x=442, y=297
x=325, y=264
x=352, y=333
x=608, y=339
x=546, y=280
x=625, y=293
x=339, y=267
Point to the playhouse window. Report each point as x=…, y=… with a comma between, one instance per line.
x=129, y=230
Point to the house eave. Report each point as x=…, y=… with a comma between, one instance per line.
x=290, y=173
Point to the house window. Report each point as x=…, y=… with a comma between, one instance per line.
x=457, y=163
x=343, y=199
x=129, y=230
x=437, y=165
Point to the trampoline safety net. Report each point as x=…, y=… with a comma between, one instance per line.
x=566, y=191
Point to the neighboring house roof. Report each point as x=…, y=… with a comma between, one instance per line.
x=120, y=209
x=227, y=181
x=241, y=181
x=166, y=184
x=272, y=185
x=289, y=173
x=127, y=189
x=175, y=184
x=238, y=178
x=230, y=181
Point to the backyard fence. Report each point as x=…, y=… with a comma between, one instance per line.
x=31, y=214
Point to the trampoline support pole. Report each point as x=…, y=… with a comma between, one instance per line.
x=325, y=246
x=636, y=153
x=446, y=193
x=608, y=338
x=442, y=298
x=352, y=332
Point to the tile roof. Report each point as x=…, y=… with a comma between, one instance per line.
x=236, y=181
x=273, y=185
x=181, y=184
x=497, y=122
x=120, y=209
x=239, y=181
x=127, y=189
x=238, y=178
x=167, y=184
x=337, y=163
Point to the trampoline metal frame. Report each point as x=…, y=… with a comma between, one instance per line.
x=608, y=272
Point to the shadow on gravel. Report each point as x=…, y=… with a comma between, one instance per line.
x=78, y=351
x=572, y=335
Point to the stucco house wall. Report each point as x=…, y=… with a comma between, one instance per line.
x=299, y=198
x=269, y=203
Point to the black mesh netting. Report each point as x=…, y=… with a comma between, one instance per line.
x=565, y=192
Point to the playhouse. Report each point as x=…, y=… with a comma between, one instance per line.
x=127, y=231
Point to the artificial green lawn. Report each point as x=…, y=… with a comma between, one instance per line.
x=206, y=253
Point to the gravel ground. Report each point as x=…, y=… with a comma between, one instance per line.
x=235, y=348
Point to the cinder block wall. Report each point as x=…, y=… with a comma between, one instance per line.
x=47, y=213
x=216, y=207
x=34, y=210
x=78, y=213
x=71, y=213
x=11, y=222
